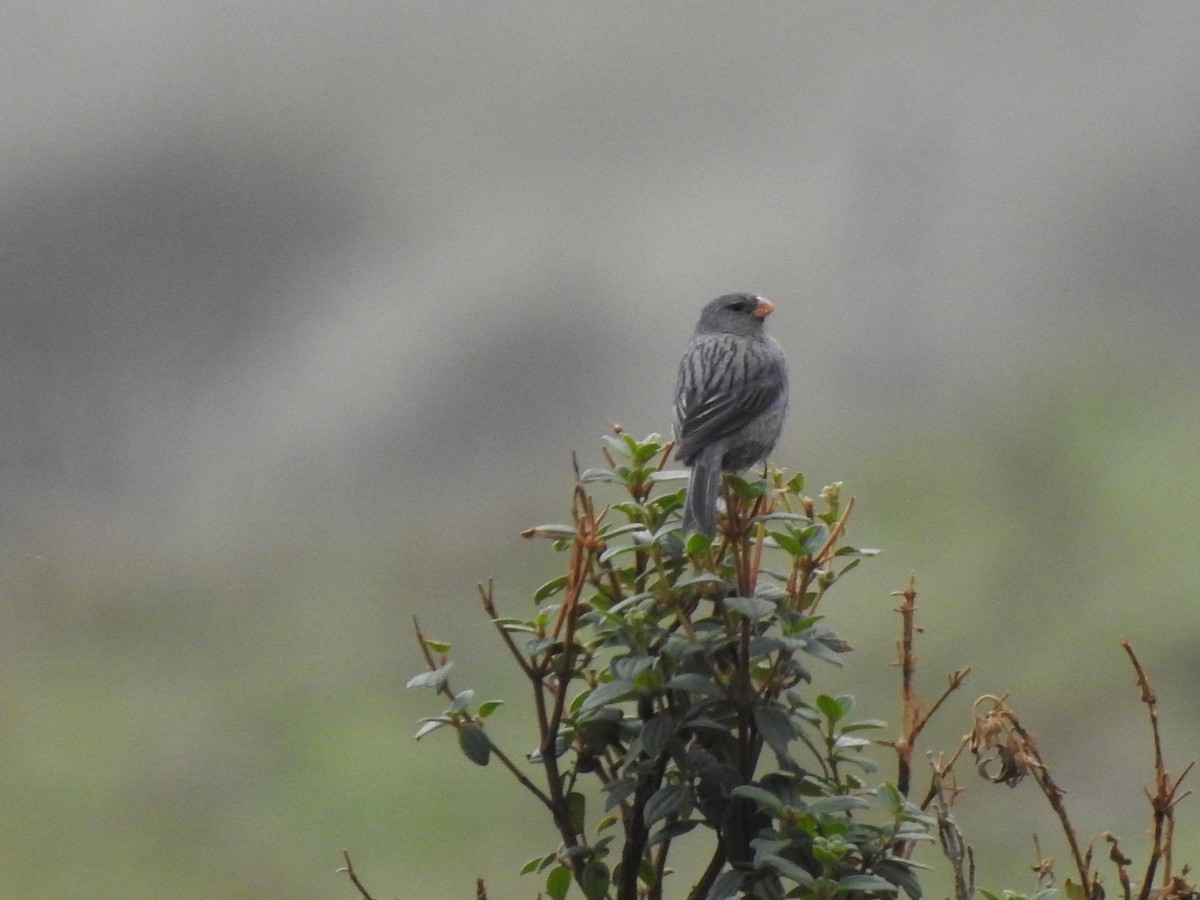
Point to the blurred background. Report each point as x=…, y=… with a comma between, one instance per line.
x=306, y=306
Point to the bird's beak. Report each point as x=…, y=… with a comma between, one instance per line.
x=764, y=308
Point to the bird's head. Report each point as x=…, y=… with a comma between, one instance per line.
x=735, y=314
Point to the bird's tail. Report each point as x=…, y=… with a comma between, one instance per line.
x=704, y=483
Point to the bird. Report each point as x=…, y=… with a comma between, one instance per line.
x=730, y=400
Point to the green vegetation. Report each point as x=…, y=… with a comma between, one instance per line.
x=674, y=704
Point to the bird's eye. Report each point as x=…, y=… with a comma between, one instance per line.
x=741, y=305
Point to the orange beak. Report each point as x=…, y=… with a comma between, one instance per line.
x=764, y=308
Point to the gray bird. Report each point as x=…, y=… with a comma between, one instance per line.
x=730, y=400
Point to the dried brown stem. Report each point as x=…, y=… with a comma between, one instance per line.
x=348, y=869
x=1166, y=794
x=999, y=731
x=913, y=719
x=487, y=597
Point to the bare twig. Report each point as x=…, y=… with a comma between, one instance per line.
x=487, y=597
x=954, y=845
x=348, y=869
x=1006, y=754
x=1166, y=794
x=913, y=718
x=823, y=556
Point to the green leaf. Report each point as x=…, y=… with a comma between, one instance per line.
x=796, y=483
x=487, y=707
x=824, y=644
x=697, y=543
x=839, y=803
x=434, y=679
x=847, y=742
x=558, y=882
x=901, y=875
x=787, y=543
x=664, y=802
x=657, y=734
x=753, y=608
x=727, y=887
x=776, y=727
x=695, y=683
x=671, y=831
x=612, y=530
x=593, y=475
x=892, y=799
x=781, y=516
x=830, y=708
x=428, y=725
x=618, y=791
x=787, y=869
x=595, y=880
x=764, y=799
x=865, y=883
x=549, y=589
x=620, y=550
x=670, y=475
x=474, y=743
x=437, y=646
x=747, y=490
x=538, y=863
x=699, y=577
x=553, y=531
x=646, y=451
x=1074, y=891
x=610, y=692
x=577, y=810
x=864, y=725
x=814, y=537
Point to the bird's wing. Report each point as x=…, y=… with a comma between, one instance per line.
x=721, y=390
